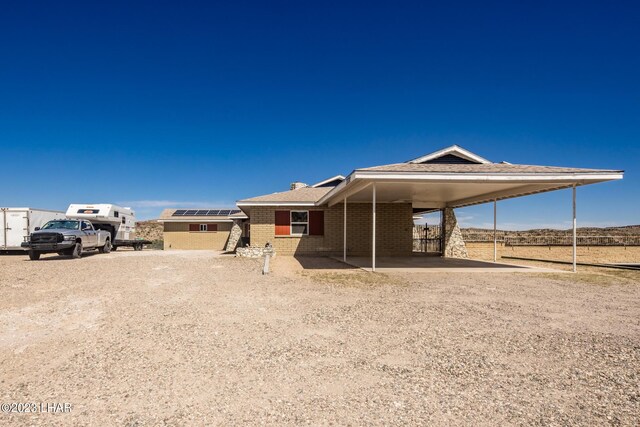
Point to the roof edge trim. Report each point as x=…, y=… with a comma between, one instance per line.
x=333, y=178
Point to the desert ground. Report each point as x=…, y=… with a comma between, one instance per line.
x=199, y=338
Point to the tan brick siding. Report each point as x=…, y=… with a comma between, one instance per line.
x=589, y=254
x=394, y=227
x=178, y=236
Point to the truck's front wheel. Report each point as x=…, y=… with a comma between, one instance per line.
x=77, y=251
x=106, y=248
x=34, y=256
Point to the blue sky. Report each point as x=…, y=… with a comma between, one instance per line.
x=167, y=104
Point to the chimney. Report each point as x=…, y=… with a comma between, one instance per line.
x=297, y=184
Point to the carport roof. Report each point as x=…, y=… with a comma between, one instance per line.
x=498, y=168
x=451, y=177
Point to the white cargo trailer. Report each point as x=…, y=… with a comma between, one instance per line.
x=18, y=223
x=119, y=221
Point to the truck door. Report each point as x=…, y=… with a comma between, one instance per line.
x=91, y=237
x=17, y=227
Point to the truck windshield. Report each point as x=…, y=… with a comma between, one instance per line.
x=67, y=225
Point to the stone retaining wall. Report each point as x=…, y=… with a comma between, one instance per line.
x=255, y=251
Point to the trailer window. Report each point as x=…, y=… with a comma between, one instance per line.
x=116, y=214
x=203, y=227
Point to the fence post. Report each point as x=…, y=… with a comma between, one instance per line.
x=575, y=233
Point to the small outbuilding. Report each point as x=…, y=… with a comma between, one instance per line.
x=199, y=228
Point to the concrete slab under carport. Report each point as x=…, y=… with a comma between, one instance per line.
x=422, y=264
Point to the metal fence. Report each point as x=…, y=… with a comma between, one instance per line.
x=482, y=237
x=515, y=239
x=568, y=240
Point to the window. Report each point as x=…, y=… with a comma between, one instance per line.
x=299, y=223
x=116, y=214
x=203, y=227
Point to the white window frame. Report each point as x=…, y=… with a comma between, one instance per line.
x=291, y=223
x=205, y=226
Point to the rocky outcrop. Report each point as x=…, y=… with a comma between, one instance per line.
x=454, y=246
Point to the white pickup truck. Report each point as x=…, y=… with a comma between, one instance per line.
x=67, y=237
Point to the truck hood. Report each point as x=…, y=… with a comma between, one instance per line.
x=56, y=230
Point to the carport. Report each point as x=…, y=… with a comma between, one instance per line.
x=453, y=178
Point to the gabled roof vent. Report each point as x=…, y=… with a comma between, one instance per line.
x=451, y=155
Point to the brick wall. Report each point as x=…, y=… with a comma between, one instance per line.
x=590, y=254
x=178, y=236
x=394, y=227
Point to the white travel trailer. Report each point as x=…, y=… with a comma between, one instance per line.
x=18, y=223
x=119, y=221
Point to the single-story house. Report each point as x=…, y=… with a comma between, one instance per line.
x=199, y=228
x=370, y=211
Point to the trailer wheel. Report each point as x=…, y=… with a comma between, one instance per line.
x=77, y=251
x=106, y=248
x=34, y=256
x=137, y=247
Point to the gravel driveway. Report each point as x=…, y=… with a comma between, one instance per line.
x=192, y=337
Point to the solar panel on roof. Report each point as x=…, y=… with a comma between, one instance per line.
x=205, y=212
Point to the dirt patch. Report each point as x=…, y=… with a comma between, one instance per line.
x=196, y=338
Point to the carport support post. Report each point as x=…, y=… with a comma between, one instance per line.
x=495, y=239
x=575, y=234
x=344, y=236
x=373, y=242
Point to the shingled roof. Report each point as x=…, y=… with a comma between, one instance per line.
x=303, y=195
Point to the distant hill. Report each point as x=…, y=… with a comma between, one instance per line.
x=627, y=230
x=152, y=230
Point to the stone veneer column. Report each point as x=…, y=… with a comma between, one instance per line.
x=454, y=246
x=234, y=236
